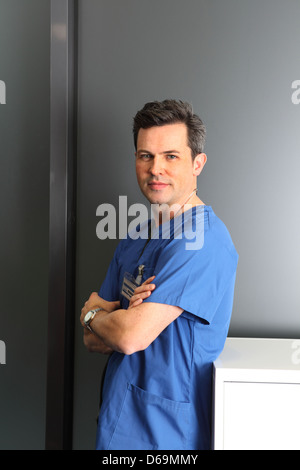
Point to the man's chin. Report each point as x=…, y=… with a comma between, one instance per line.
x=158, y=196
x=157, y=199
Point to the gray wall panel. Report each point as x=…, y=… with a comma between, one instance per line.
x=24, y=187
x=235, y=61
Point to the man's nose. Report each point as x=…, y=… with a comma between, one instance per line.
x=157, y=167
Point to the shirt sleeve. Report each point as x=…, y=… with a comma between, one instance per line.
x=195, y=281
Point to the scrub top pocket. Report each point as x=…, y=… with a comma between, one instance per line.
x=148, y=421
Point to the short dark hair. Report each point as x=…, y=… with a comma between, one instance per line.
x=160, y=113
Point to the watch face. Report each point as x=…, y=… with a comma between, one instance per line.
x=88, y=317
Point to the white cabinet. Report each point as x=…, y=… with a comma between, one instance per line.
x=256, y=401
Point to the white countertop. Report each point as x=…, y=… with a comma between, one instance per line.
x=260, y=355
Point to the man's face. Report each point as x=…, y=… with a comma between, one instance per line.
x=166, y=172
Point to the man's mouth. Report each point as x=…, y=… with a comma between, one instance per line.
x=157, y=185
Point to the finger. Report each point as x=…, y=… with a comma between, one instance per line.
x=150, y=279
x=83, y=313
x=94, y=297
x=85, y=309
x=93, y=301
x=139, y=298
x=89, y=304
x=136, y=303
x=141, y=295
x=144, y=288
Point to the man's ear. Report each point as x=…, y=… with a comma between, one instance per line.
x=198, y=163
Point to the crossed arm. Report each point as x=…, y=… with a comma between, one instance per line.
x=127, y=331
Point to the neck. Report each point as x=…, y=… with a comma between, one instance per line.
x=163, y=214
x=182, y=207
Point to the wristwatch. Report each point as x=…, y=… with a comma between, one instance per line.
x=89, y=317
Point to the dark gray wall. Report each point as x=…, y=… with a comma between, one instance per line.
x=235, y=61
x=24, y=195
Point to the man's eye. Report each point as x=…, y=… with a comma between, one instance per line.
x=172, y=157
x=145, y=156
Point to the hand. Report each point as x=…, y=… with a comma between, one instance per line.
x=142, y=292
x=91, y=341
x=94, y=344
x=95, y=301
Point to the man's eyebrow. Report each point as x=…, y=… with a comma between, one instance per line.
x=165, y=152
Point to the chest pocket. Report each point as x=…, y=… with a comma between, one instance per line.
x=141, y=274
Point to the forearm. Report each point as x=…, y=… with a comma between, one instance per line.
x=134, y=329
x=126, y=331
x=110, y=329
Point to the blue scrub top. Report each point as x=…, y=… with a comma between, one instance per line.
x=160, y=398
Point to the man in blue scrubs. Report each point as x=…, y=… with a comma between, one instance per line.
x=165, y=304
